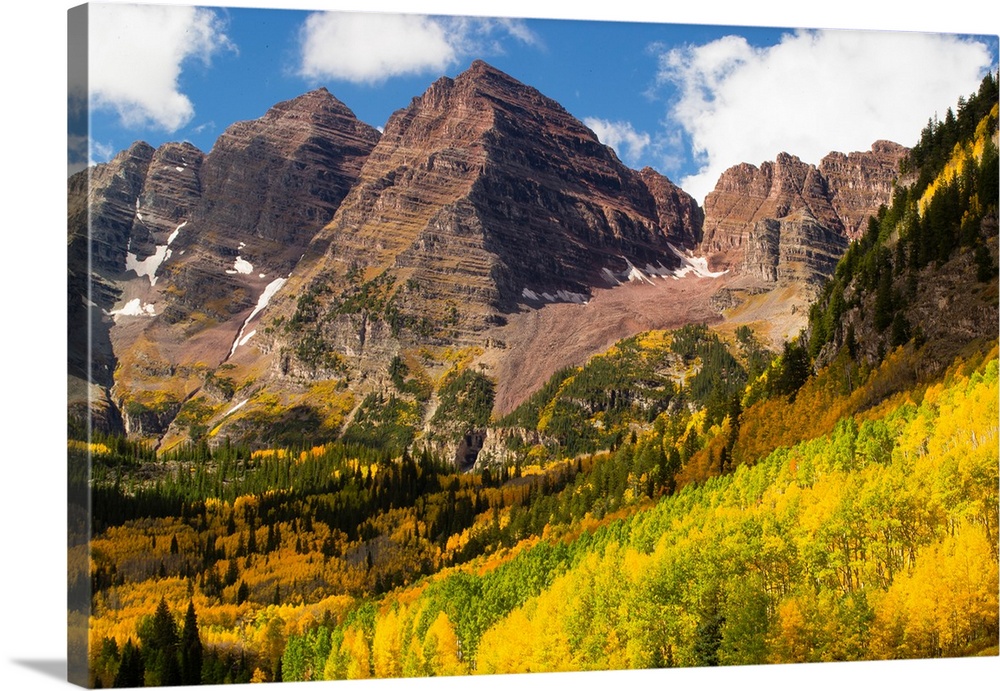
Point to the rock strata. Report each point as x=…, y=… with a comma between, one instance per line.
x=751, y=208
x=280, y=178
x=484, y=194
x=184, y=244
x=679, y=215
x=860, y=182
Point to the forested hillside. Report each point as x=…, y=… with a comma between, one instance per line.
x=858, y=544
x=908, y=278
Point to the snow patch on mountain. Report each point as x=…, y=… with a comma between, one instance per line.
x=560, y=296
x=148, y=266
x=610, y=277
x=151, y=264
x=135, y=308
x=240, y=266
x=243, y=341
x=634, y=274
x=236, y=407
x=262, y=302
x=173, y=235
x=695, y=265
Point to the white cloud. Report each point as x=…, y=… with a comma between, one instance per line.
x=812, y=93
x=517, y=29
x=100, y=152
x=210, y=125
x=136, y=56
x=620, y=136
x=369, y=48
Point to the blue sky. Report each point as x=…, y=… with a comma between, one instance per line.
x=689, y=100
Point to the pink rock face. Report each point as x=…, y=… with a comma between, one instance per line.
x=483, y=188
x=679, y=214
x=281, y=177
x=837, y=197
x=194, y=239
x=861, y=182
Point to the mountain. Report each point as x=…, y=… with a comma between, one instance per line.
x=483, y=204
x=684, y=496
x=486, y=194
x=788, y=220
x=310, y=278
x=185, y=243
x=782, y=227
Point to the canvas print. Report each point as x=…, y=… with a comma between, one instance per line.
x=409, y=346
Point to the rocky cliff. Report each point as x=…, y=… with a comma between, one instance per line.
x=185, y=245
x=679, y=214
x=860, y=182
x=484, y=195
x=752, y=208
x=135, y=201
x=267, y=187
x=280, y=178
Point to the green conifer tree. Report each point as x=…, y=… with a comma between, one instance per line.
x=192, y=653
x=131, y=671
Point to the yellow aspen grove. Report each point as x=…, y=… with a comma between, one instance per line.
x=504, y=648
x=358, y=654
x=387, y=646
x=441, y=651
x=947, y=605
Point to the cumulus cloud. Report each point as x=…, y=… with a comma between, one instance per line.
x=620, y=136
x=812, y=93
x=137, y=53
x=369, y=48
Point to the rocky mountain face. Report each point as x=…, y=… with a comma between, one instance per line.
x=485, y=194
x=483, y=199
x=131, y=206
x=860, y=182
x=267, y=187
x=280, y=178
x=136, y=196
x=307, y=265
x=678, y=212
x=787, y=220
x=184, y=244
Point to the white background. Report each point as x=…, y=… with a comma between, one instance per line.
x=32, y=369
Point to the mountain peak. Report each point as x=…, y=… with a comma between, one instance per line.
x=312, y=102
x=760, y=219
x=486, y=173
x=480, y=69
x=479, y=65
x=483, y=79
x=276, y=157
